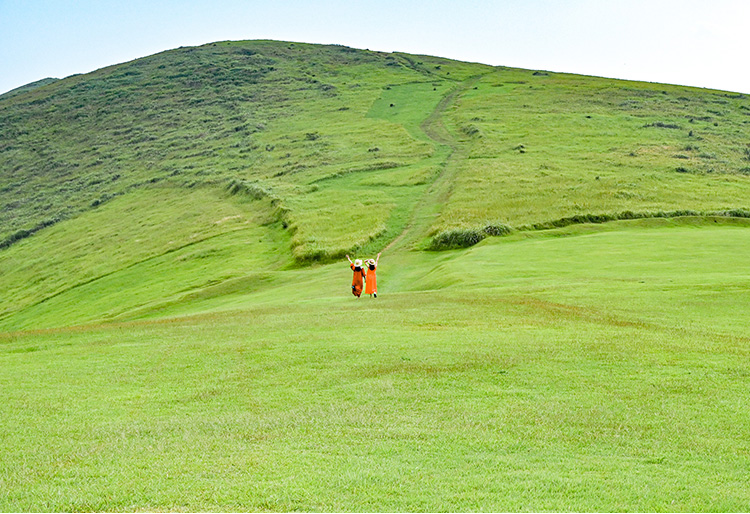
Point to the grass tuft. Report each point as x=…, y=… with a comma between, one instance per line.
x=456, y=238
x=252, y=190
x=466, y=237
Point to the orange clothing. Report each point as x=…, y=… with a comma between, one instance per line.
x=372, y=279
x=357, y=280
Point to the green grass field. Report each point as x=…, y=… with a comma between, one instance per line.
x=605, y=370
x=177, y=331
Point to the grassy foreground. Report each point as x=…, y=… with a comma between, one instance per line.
x=177, y=331
x=606, y=370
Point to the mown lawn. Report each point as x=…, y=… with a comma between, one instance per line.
x=601, y=371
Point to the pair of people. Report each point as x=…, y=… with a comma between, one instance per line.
x=364, y=273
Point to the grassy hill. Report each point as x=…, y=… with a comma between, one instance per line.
x=302, y=123
x=177, y=333
x=283, y=117
x=343, y=151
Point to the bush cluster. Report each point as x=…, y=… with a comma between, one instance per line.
x=24, y=233
x=603, y=218
x=661, y=124
x=466, y=237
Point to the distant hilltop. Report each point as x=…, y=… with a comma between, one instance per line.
x=343, y=146
x=28, y=87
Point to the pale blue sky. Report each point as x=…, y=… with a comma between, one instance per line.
x=700, y=43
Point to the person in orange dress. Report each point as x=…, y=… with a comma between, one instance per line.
x=359, y=276
x=372, y=279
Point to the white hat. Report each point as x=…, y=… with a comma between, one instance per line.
x=358, y=263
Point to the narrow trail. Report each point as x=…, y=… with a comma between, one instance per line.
x=428, y=207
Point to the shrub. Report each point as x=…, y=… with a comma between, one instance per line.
x=735, y=213
x=24, y=233
x=679, y=213
x=457, y=238
x=466, y=237
x=470, y=130
x=497, y=229
x=661, y=124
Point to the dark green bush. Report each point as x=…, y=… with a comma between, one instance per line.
x=661, y=124
x=734, y=213
x=457, y=238
x=470, y=130
x=497, y=229
x=466, y=237
x=24, y=233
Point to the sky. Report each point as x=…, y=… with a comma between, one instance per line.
x=701, y=43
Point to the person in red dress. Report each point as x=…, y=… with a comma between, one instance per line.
x=372, y=279
x=359, y=276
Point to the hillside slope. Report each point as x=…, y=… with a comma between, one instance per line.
x=319, y=151
x=541, y=146
x=282, y=116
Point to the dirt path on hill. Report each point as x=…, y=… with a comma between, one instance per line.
x=428, y=207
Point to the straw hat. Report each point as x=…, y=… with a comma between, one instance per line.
x=358, y=263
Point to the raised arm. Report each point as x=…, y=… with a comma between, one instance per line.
x=377, y=259
x=350, y=261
